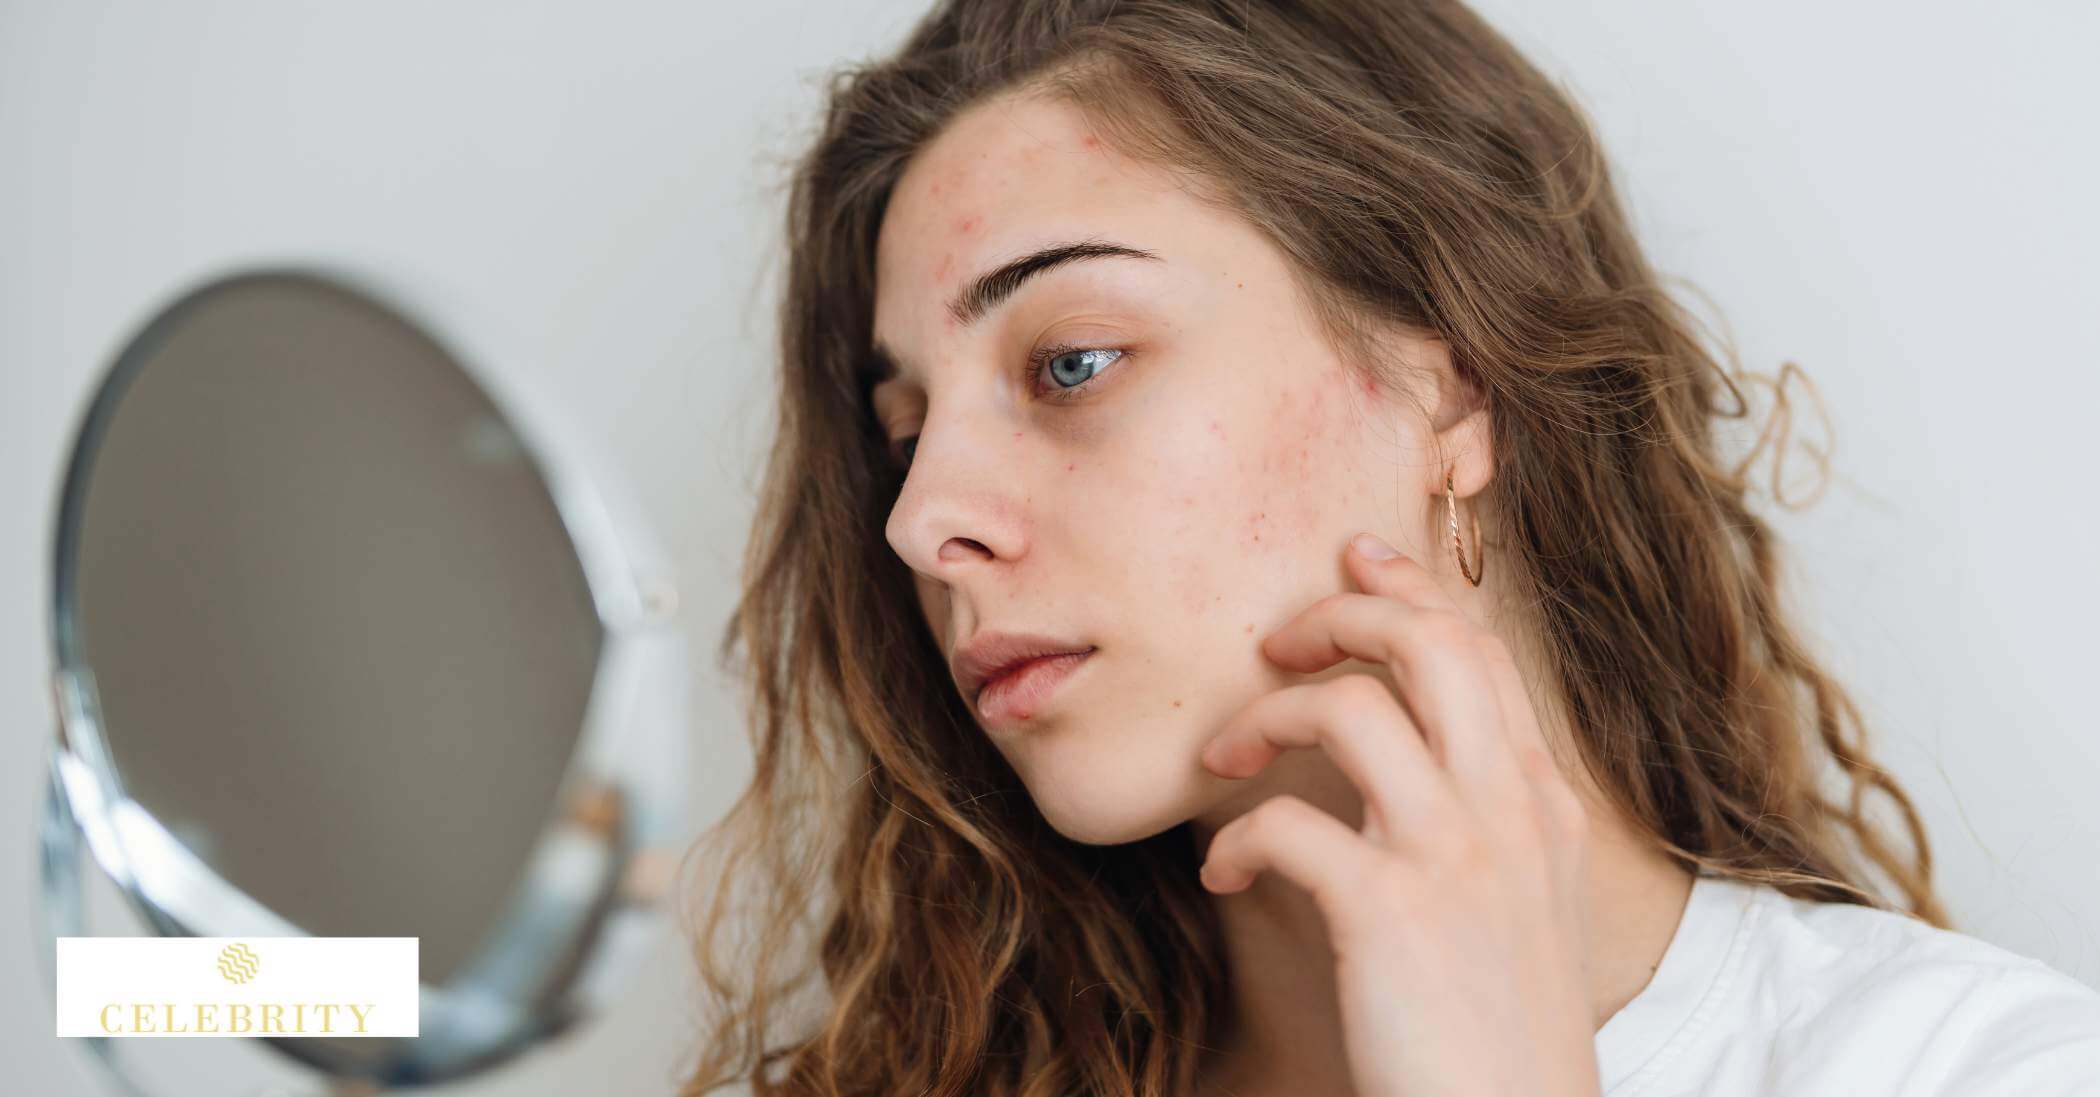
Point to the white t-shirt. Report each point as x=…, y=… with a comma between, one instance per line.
x=1760, y=993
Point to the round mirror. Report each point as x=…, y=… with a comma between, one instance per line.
x=346, y=649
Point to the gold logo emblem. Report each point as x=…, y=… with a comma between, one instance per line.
x=238, y=963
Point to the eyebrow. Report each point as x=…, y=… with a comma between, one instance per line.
x=995, y=286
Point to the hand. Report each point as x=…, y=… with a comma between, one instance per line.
x=1456, y=912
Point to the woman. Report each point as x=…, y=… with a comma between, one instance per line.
x=1096, y=755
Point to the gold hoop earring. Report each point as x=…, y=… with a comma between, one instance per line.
x=1458, y=547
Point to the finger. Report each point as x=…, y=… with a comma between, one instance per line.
x=1399, y=575
x=1431, y=655
x=1403, y=577
x=1298, y=841
x=1358, y=721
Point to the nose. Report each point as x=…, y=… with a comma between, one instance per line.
x=958, y=509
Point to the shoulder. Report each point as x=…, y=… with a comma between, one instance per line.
x=1943, y=1012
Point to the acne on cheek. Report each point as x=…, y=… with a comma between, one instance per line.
x=1297, y=474
x=1237, y=496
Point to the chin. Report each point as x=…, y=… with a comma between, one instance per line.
x=1109, y=796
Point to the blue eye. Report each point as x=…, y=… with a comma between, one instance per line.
x=1071, y=368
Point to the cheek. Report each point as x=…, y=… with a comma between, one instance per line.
x=1234, y=503
x=1299, y=471
x=1178, y=516
x=1300, y=465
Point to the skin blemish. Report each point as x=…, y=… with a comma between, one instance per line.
x=969, y=224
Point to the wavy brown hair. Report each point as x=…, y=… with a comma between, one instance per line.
x=1416, y=171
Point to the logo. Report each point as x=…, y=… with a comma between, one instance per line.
x=237, y=963
x=216, y=986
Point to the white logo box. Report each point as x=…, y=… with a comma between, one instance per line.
x=238, y=986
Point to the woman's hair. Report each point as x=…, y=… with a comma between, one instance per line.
x=1418, y=174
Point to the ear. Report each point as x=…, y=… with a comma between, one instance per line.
x=1459, y=426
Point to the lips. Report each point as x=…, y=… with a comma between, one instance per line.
x=991, y=654
x=1020, y=691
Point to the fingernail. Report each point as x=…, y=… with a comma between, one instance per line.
x=1373, y=548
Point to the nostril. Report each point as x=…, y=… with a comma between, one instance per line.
x=965, y=545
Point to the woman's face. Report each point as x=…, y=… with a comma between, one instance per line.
x=1169, y=491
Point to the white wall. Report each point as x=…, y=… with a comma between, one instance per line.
x=1897, y=196
x=1886, y=193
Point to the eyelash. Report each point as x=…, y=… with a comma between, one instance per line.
x=1029, y=372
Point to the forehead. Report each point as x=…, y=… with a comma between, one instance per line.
x=1004, y=177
